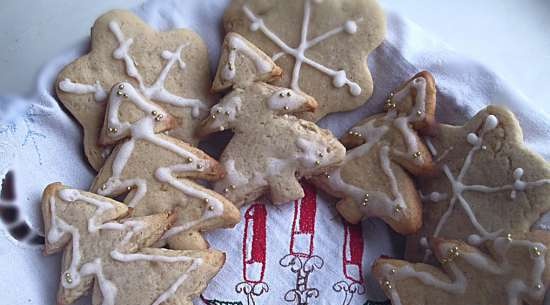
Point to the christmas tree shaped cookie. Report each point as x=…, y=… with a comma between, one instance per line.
x=152, y=170
x=489, y=185
x=111, y=256
x=322, y=46
x=384, y=149
x=513, y=272
x=170, y=68
x=270, y=149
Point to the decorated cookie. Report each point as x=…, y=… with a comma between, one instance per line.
x=489, y=184
x=113, y=257
x=383, y=151
x=513, y=272
x=152, y=170
x=322, y=46
x=170, y=68
x=271, y=149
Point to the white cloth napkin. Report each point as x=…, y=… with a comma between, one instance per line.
x=40, y=144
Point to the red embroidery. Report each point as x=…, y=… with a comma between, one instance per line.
x=353, y=253
x=303, y=225
x=254, y=243
x=254, y=253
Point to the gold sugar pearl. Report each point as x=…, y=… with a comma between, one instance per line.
x=387, y=284
x=104, y=186
x=418, y=113
x=416, y=155
x=281, y=94
x=226, y=113
x=288, y=93
x=321, y=155
x=230, y=66
x=393, y=271
x=129, y=188
x=536, y=251
x=154, y=112
x=206, y=200
x=119, y=93
x=285, y=107
x=233, y=186
x=199, y=166
x=327, y=175
x=189, y=160
x=538, y=286
x=397, y=209
x=218, y=110
x=121, y=86
x=211, y=208
x=213, y=117
x=392, y=94
x=68, y=278
x=317, y=163
x=509, y=237
x=222, y=128
x=483, y=147
x=125, y=95
x=226, y=190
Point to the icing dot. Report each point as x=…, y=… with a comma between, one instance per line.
x=354, y=89
x=491, y=122
x=424, y=242
x=518, y=173
x=350, y=27
x=69, y=194
x=254, y=26
x=166, y=54
x=472, y=138
x=339, y=79
x=475, y=240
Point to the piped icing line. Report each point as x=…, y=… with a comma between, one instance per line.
x=72, y=277
x=157, y=91
x=224, y=113
x=143, y=129
x=516, y=287
x=237, y=45
x=214, y=209
x=69, y=86
x=339, y=78
x=377, y=203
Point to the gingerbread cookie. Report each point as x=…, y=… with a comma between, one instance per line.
x=152, y=170
x=170, y=68
x=112, y=256
x=270, y=149
x=489, y=185
x=384, y=149
x=322, y=46
x=513, y=272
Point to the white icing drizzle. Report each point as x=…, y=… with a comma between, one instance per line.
x=339, y=77
x=156, y=91
x=374, y=131
x=108, y=290
x=143, y=129
x=224, y=113
x=516, y=287
x=237, y=45
x=286, y=100
x=69, y=86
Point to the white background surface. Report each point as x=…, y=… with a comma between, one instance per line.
x=511, y=37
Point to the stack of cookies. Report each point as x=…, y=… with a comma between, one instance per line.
x=467, y=197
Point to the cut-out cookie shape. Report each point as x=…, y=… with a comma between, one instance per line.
x=322, y=46
x=270, y=149
x=514, y=272
x=374, y=180
x=170, y=68
x=153, y=170
x=113, y=256
x=490, y=184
